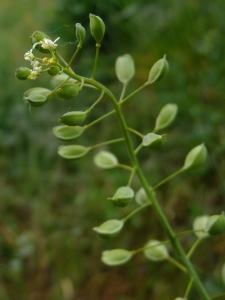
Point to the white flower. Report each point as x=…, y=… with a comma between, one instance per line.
x=35, y=72
x=48, y=44
x=29, y=55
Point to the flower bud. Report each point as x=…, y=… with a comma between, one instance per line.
x=97, y=28
x=166, y=116
x=215, y=224
x=154, y=141
x=67, y=91
x=22, y=73
x=72, y=151
x=105, y=160
x=38, y=36
x=67, y=133
x=199, y=224
x=116, y=257
x=124, y=68
x=37, y=96
x=73, y=118
x=123, y=196
x=158, y=71
x=195, y=157
x=53, y=70
x=156, y=251
x=109, y=228
x=80, y=33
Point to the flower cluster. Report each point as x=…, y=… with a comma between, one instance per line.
x=35, y=72
x=48, y=44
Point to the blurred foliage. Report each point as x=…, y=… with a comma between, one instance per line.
x=49, y=206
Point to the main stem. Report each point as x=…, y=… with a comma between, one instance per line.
x=161, y=216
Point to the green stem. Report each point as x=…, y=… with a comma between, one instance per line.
x=135, y=132
x=177, y=264
x=161, y=216
x=101, y=118
x=188, y=288
x=132, y=94
x=96, y=102
x=125, y=167
x=107, y=143
x=138, y=149
x=79, y=46
x=218, y=296
x=166, y=179
x=96, y=61
x=136, y=211
x=193, y=248
x=123, y=91
x=131, y=177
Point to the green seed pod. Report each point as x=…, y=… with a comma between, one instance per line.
x=124, y=68
x=80, y=33
x=105, y=160
x=73, y=151
x=166, y=116
x=97, y=28
x=22, y=73
x=123, y=196
x=36, y=37
x=158, y=71
x=199, y=224
x=116, y=257
x=53, y=70
x=215, y=224
x=37, y=96
x=73, y=118
x=59, y=79
x=67, y=91
x=195, y=157
x=67, y=133
x=156, y=251
x=109, y=228
x=141, y=197
x=154, y=141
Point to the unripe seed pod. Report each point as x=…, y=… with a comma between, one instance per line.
x=67, y=91
x=59, y=79
x=200, y=224
x=116, y=257
x=36, y=37
x=97, y=28
x=195, y=157
x=105, y=160
x=158, y=71
x=166, y=116
x=141, y=197
x=122, y=197
x=22, y=73
x=109, y=228
x=53, y=70
x=156, y=251
x=72, y=151
x=67, y=133
x=154, y=141
x=215, y=224
x=80, y=33
x=37, y=96
x=124, y=68
x=73, y=118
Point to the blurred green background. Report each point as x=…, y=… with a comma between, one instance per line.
x=49, y=206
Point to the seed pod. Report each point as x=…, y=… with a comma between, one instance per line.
x=36, y=37
x=67, y=133
x=195, y=157
x=154, y=141
x=97, y=28
x=73, y=118
x=59, y=79
x=199, y=224
x=73, y=151
x=22, y=73
x=156, y=251
x=80, y=33
x=67, y=91
x=122, y=197
x=116, y=257
x=53, y=70
x=141, y=197
x=105, y=160
x=37, y=96
x=158, y=71
x=166, y=116
x=215, y=224
x=124, y=68
x=109, y=228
